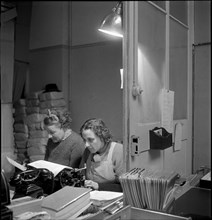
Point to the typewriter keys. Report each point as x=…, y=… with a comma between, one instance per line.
x=72, y=177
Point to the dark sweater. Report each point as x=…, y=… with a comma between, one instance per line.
x=67, y=152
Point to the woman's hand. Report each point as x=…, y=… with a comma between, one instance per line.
x=91, y=184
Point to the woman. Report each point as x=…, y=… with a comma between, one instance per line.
x=102, y=156
x=64, y=146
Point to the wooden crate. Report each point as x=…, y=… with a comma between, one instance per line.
x=131, y=213
x=143, y=214
x=123, y=214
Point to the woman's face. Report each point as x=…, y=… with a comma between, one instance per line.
x=92, y=141
x=55, y=133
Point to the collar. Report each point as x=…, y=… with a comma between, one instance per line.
x=67, y=134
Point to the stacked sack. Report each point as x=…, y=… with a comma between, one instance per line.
x=30, y=136
x=20, y=129
x=52, y=100
x=38, y=136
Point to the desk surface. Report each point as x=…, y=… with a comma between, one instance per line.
x=195, y=202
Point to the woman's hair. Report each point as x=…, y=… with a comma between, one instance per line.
x=58, y=116
x=99, y=128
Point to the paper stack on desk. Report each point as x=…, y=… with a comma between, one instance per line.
x=103, y=198
x=67, y=203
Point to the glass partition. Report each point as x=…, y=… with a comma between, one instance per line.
x=178, y=9
x=161, y=4
x=151, y=59
x=178, y=68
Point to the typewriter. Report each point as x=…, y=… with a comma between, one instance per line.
x=36, y=182
x=72, y=177
x=33, y=182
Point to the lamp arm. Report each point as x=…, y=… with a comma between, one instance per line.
x=118, y=8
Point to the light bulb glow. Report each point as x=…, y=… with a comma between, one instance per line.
x=112, y=23
x=111, y=33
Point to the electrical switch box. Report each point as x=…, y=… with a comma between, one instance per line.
x=135, y=145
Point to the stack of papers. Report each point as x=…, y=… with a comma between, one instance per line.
x=104, y=198
x=148, y=189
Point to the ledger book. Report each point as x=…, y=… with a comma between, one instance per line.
x=67, y=203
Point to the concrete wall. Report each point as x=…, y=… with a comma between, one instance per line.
x=95, y=60
x=67, y=49
x=49, y=45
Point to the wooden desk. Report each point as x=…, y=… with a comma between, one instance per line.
x=193, y=204
x=126, y=213
x=196, y=202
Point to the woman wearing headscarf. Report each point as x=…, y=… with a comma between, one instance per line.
x=64, y=146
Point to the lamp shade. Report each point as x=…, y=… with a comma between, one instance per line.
x=112, y=23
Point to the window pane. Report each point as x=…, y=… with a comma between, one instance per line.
x=178, y=68
x=161, y=4
x=151, y=57
x=178, y=9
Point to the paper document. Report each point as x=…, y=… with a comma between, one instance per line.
x=121, y=75
x=53, y=167
x=178, y=137
x=14, y=163
x=105, y=195
x=207, y=177
x=167, y=110
x=104, y=199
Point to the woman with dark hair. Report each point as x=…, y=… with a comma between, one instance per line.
x=64, y=146
x=102, y=156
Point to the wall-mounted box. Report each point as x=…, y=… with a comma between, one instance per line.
x=160, y=138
